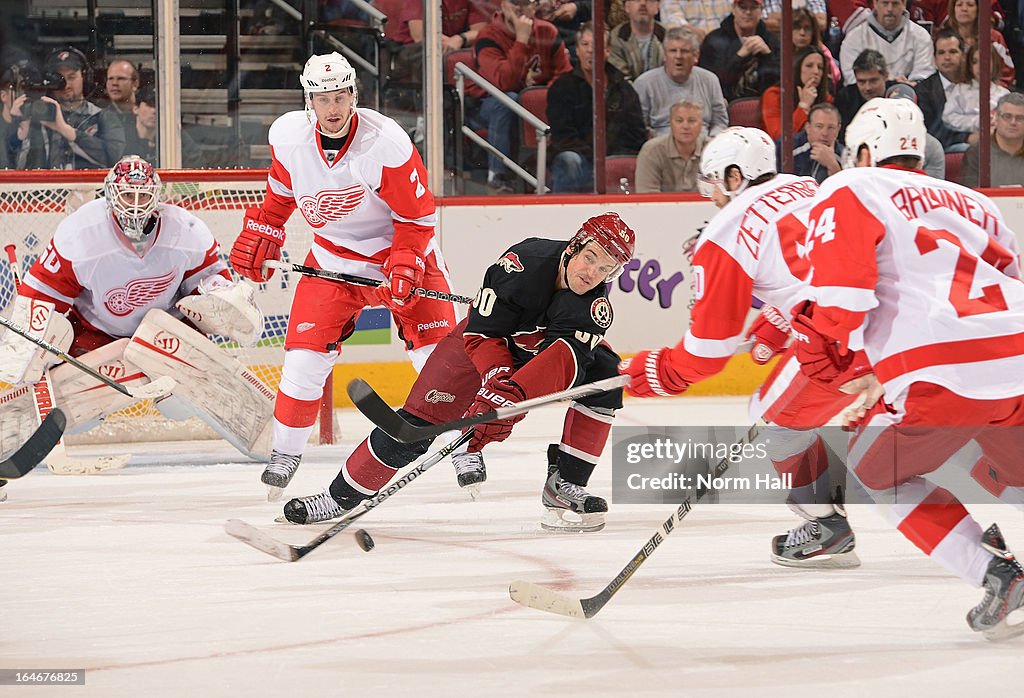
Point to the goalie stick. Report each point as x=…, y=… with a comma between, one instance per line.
x=256, y=538
x=36, y=448
x=545, y=599
x=377, y=411
x=360, y=280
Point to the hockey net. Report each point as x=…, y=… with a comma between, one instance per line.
x=33, y=203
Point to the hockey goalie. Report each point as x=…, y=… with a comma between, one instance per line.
x=132, y=286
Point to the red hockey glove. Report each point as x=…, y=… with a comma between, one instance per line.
x=821, y=358
x=257, y=243
x=404, y=269
x=652, y=376
x=770, y=333
x=497, y=391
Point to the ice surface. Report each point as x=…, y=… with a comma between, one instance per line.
x=130, y=576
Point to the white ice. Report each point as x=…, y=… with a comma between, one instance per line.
x=130, y=576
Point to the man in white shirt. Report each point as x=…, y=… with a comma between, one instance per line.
x=907, y=47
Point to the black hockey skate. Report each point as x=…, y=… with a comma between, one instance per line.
x=471, y=472
x=825, y=542
x=568, y=507
x=279, y=473
x=313, y=509
x=1004, y=592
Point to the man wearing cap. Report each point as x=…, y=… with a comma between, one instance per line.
x=742, y=52
x=81, y=135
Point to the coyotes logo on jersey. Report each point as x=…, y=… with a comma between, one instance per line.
x=510, y=263
x=331, y=205
x=137, y=293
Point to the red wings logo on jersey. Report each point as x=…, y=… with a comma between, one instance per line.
x=331, y=205
x=510, y=263
x=137, y=293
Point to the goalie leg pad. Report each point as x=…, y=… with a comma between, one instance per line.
x=21, y=361
x=18, y=418
x=85, y=400
x=224, y=393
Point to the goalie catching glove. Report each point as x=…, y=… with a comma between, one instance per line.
x=497, y=390
x=258, y=242
x=652, y=375
x=21, y=361
x=225, y=308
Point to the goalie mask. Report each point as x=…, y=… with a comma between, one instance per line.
x=611, y=234
x=132, y=191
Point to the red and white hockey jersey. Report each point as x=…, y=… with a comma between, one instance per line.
x=91, y=267
x=750, y=248
x=924, y=275
x=371, y=196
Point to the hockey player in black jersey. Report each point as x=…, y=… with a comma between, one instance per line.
x=536, y=327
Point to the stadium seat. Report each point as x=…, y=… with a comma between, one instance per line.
x=535, y=101
x=462, y=55
x=953, y=163
x=617, y=168
x=745, y=111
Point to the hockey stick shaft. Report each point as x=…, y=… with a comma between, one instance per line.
x=380, y=413
x=360, y=280
x=63, y=355
x=291, y=553
x=544, y=599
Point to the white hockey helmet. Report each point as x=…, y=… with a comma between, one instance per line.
x=888, y=127
x=132, y=191
x=327, y=73
x=749, y=149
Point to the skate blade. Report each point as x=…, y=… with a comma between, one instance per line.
x=473, y=491
x=282, y=519
x=839, y=561
x=274, y=494
x=565, y=521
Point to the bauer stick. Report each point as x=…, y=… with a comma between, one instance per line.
x=291, y=553
x=377, y=411
x=545, y=599
x=360, y=280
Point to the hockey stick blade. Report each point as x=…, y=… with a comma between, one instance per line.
x=380, y=413
x=290, y=553
x=32, y=452
x=544, y=599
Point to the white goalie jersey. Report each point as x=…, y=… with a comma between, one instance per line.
x=91, y=269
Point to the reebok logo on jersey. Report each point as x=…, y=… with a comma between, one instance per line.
x=138, y=293
x=510, y=263
x=436, y=396
x=601, y=312
x=423, y=327
x=304, y=327
x=331, y=205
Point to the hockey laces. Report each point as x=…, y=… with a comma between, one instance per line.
x=802, y=534
x=283, y=464
x=570, y=490
x=322, y=506
x=467, y=463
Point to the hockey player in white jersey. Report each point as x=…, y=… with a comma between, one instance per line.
x=923, y=274
x=112, y=288
x=752, y=248
x=355, y=177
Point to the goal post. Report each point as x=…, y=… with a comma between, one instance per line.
x=34, y=202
